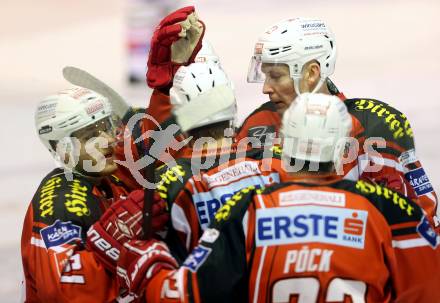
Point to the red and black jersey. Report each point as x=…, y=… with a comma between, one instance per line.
x=342, y=241
x=57, y=266
x=384, y=145
x=195, y=187
x=157, y=112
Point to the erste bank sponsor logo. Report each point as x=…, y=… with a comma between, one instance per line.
x=319, y=197
x=306, y=224
x=197, y=257
x=208, y=203
x=60, y=233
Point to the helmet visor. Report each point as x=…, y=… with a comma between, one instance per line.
x=267, y=72
x=255, y=75
x=94, y=130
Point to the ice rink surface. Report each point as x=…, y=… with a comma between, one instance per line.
x=387, y=50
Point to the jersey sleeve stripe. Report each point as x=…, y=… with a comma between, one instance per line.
x=411, y=243
x=403, y=231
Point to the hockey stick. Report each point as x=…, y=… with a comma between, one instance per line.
x=82, y=78
x=187, y=117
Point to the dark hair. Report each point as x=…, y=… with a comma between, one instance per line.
x=214, y=130
x=313, y=167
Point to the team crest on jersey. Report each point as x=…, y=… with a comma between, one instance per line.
x=419, y=181
x=197, y=257
x=306, y=224
x=210, y=235
x=60, y=233
x=426, y=231
x=263, y=133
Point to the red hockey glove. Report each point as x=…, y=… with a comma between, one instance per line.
x=140, y=261
x=121, y=223
x=175, y=42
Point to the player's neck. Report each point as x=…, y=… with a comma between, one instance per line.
x=314, y=177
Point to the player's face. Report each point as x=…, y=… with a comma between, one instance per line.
x=278, y=85
x=97, y=149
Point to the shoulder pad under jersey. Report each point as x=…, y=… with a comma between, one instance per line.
x=381, y=120
x=171, y=179
x=66, y=197
x=395, y=207
x=236, y=206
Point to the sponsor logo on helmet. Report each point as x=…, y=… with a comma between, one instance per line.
x=95, y=107
x=313, y=25
x=76, y=201
x=258, y=48
x=45, y=130
x=272, y=29
x=60, y=233
x=43, y=108
x=313, y=47
x=79, y=92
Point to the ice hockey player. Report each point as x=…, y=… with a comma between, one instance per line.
x=394, y=165
x=210, y=169
x=177, y=40
x=298, y=55
x=76, y=126
x=314, y=237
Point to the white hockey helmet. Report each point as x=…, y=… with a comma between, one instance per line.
x=204, y=83
x=70, y=110
x=315, y=128
x=207, y=53
x=295, y=42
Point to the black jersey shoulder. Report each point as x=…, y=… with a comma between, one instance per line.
x=394, y=207
x=66, y=197
x=380, y=119
x=172, y=177
x=234, y=209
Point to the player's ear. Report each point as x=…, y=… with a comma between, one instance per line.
x=312, y=74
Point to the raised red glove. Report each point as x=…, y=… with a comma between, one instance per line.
x=165, y=58
x=140, y=261
x=121, y=223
